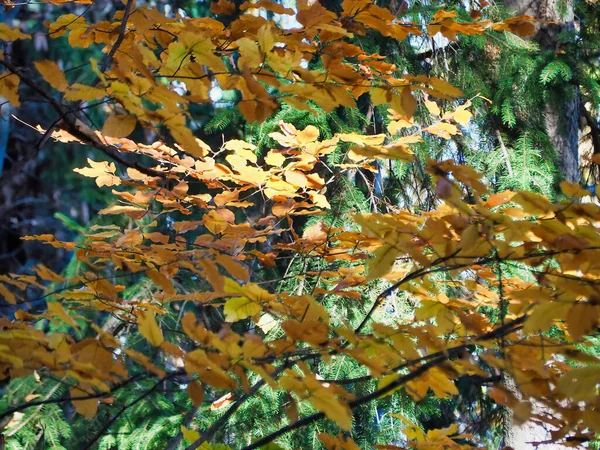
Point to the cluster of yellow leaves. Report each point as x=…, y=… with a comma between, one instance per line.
x=470, y=243
x=269, y=66
x=444, y=22
x=465, y=240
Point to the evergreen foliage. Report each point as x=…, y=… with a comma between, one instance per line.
x=507, y=143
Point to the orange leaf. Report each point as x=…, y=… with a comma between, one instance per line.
x=52, y=74
x=224, y=7
x=196, y=392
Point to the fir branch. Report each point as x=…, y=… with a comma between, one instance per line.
x=129, y=405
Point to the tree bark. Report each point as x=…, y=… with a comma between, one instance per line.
x=526, y=435
x=562, y=126
x=562, y=111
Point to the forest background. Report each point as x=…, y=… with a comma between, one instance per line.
x=385, y=234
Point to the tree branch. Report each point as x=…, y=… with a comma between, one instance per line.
x=439, y=358
x=594, y=128
x=77, y=128
x=109, y=58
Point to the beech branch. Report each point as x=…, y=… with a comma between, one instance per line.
x=434, y=360
x=109, y=58
x=76, y=127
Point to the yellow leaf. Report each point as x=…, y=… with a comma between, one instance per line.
x=442, y=129
x=432, y=107
x=185, y=138
x=8, y=33
x=334, y=408
x=103, y=171
x=573, y=190
x=469, y=238
x=395, y=150
x=222, y=7
x=243, y=149
x=250, y=55
x=162, y=281
x=8, y=296
x=52, y=74
x=581, y=319
x=143, y=360
x=56, y=309
x=462, y=116
x=9, y=88
x=87, y=408
x=362, y=139
x=382, y=262
x=267, y=322
x=266, y=40
x=149, y=328
x=277, y=8
x=119, y=125
x=580, y=383
x=533, y=203
x=84, y=93
x=221, y=402
x=501, y=198
x=239, y=308
x=275, y=159
x=444, y=87
x=308, y=135
x=544, y=315
x=233, y=267
x=592, y=420
x=215, y=223
x=311, y=331
x=439, y=383
x=48, y=275
x=190, y=435
x=131, y=211
x=338, y=443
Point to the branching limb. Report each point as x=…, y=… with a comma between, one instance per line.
x=594, y=128
x=76, y=127
x=434, y=360
x=109, y=58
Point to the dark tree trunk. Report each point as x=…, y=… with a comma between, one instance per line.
x=562, y=110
